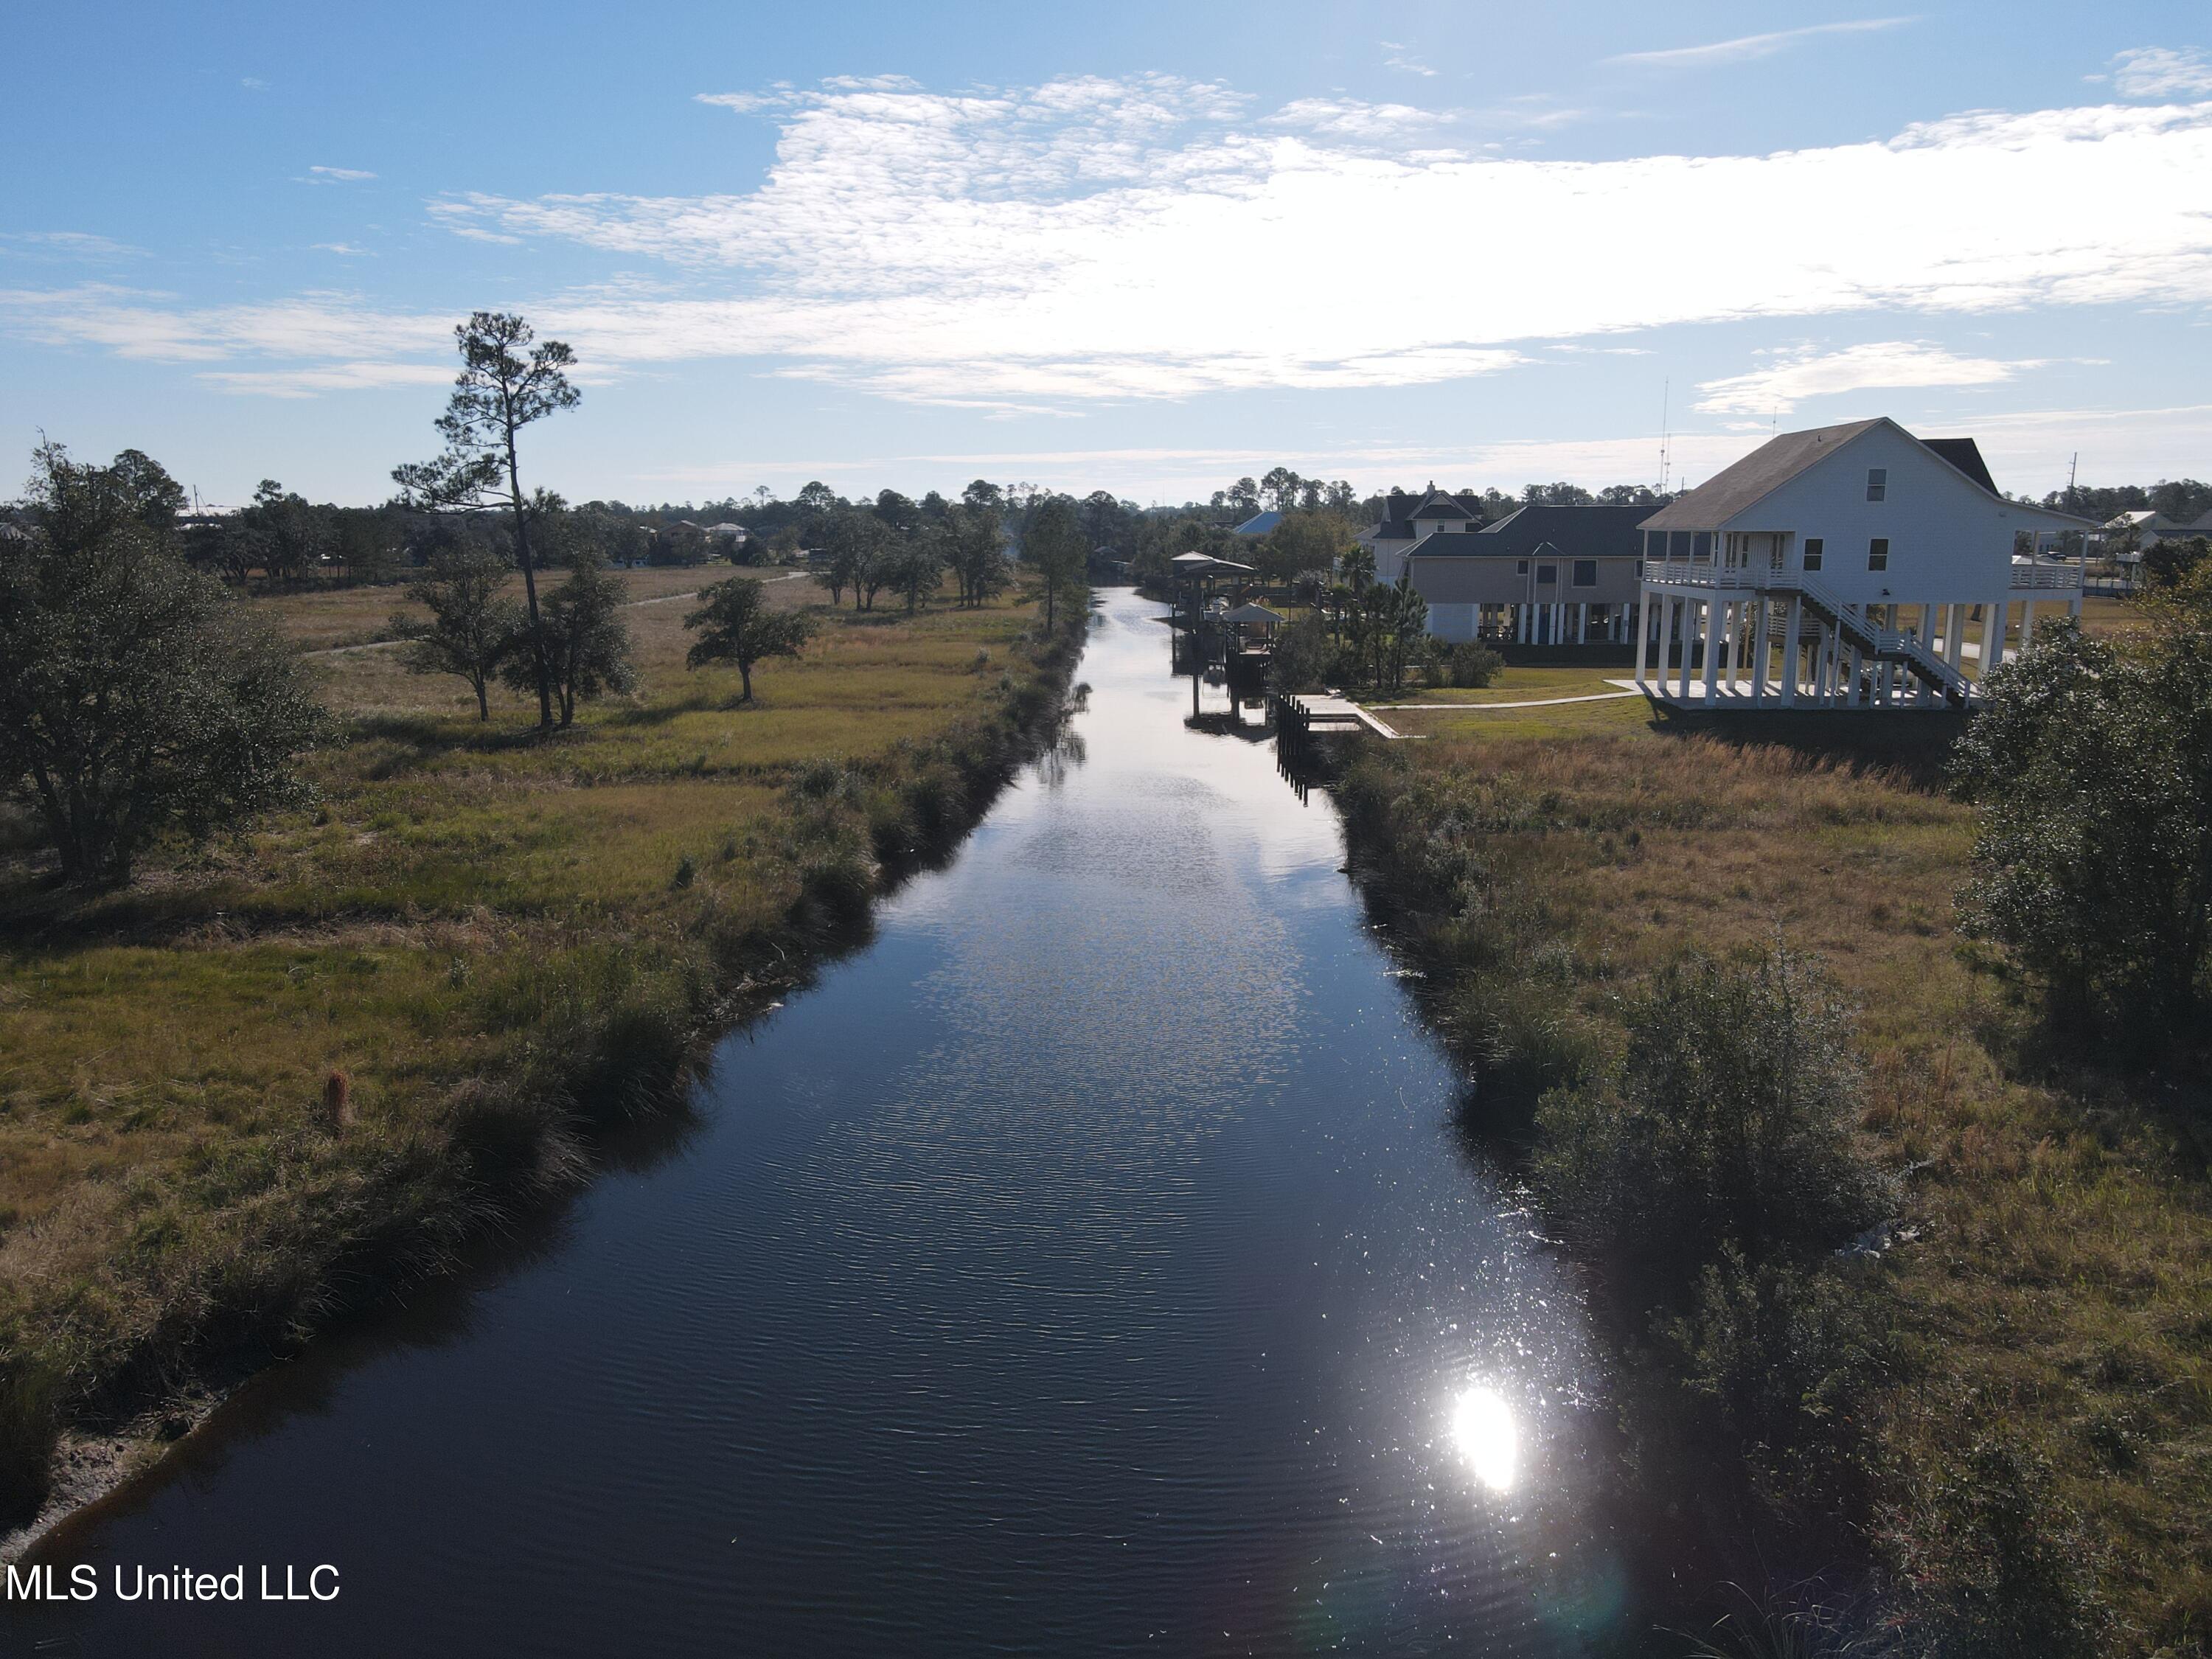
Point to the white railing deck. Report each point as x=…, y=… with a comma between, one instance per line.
x=1753, y=578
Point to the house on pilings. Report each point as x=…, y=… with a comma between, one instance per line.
x=1846, y=567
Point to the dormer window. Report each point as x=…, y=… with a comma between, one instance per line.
x=1877, y=483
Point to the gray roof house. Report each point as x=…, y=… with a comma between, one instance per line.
x=1541, y=575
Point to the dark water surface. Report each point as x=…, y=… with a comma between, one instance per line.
x=1089, y=1265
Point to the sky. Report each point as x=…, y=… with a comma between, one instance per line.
x=1146, y=247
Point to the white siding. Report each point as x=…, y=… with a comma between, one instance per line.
x=1948, y=539
x=1452, y=623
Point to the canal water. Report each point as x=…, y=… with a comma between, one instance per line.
x=1099, y=1262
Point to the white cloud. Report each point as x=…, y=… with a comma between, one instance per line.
x=1401, y=57
x=2160, y=72
x=1888, y=364
x=2028, y=451
x=1745, y=48
x=323, y=175
x=253, y=83
x=350, y=249
x=1350, y=118
x=331, y=377
x=1054, y=246
x=66, y=246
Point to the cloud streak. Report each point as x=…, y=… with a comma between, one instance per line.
x=1886, y=365
x=1748, y=48
x=2160, y=72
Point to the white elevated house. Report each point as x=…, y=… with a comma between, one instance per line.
x=1852, y=566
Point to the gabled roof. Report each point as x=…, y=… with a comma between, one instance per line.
x=1437, y=505
x=1735, y=489
x=1966, y=455
x=1756, y=477
x=1595, y=531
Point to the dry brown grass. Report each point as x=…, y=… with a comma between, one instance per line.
x=324, y=619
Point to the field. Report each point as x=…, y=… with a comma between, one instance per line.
x=2055, y=1284
x=327, y=618
x=272, y=1076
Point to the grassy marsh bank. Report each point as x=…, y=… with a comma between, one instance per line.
x=496, y=938
x=2023, y=1430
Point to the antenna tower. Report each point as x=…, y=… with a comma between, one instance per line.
x=1666, y=432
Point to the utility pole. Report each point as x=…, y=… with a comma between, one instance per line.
x=1666, y=434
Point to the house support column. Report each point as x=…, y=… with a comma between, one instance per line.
x=1643, y=633
x=1793, y=620
x=1712, y=640
x=1758, y=652
x=2026, y=624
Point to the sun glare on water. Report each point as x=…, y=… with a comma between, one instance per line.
x=1483, y=1435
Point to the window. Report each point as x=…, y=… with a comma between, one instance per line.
x=1701, y=547
x=1877, y=483
x=1878, y=553
x=1812, y=553
x=1678, y=544
x=1521, y=568
x=1585, y=572
x=1548, y=573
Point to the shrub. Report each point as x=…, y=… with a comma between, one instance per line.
x=136, y=702
x=1301, y=659
x=1993, y=1560
x=2092, y=761
x=1732, y=1121
x=1471, y=664
x=1775, y=1355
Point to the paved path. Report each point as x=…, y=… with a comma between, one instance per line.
x=1536, y=702
x=632, y=604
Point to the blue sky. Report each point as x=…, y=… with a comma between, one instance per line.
x=1144, y=248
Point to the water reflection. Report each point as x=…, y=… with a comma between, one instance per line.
x=1482, y=1432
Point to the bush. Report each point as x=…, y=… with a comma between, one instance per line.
x=1471, y=663
x=1775, y=1355
x=2092, y=761
x=1732, y=1122
x=136, y=702
x=1301, y=660
x=1993, y=1560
